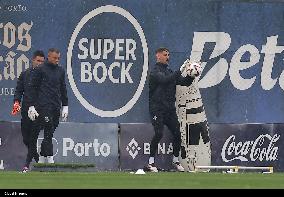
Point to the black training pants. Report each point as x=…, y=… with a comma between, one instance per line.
x=48, y=120
x=27, y=133
x=169, y=118
x=26, y=126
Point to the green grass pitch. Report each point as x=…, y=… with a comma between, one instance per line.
x=114, y=180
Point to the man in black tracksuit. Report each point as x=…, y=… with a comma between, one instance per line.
x=22, y=83
x=47, y=93
x=162, y=90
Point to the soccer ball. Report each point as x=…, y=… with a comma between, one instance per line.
x=194, y=69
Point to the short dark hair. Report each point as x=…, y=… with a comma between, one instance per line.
x=51, y=50
x=162, y=49
x=38, y=53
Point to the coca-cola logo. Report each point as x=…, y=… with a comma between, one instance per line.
x=262, y=148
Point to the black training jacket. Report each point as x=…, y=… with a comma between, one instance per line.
x=162, y=87
x=22, y=85
x=47, y=87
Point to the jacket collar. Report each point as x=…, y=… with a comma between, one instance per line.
x=161, y=64
x=51, y=65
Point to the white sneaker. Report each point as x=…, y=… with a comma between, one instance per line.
x=50, y=159
x=151, y=168
x=178, y=166
x=25, y=169
x=41, y=159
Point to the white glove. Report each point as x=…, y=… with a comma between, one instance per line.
x=185, y=63
x=64, y=113
x=32, y=113
x=184, y=67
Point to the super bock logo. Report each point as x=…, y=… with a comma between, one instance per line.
x=262, y=148
x=107, y=63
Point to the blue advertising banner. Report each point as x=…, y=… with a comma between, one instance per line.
x=89, y=143
x=12, y=149
x=101, y=144
x=107, y=49
x=247, y=145
x=134, y=147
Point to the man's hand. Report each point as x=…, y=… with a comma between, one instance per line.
x=32, y=113
x=16, y=108
x=64, y=113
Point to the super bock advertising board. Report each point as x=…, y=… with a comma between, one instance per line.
x=108, y=48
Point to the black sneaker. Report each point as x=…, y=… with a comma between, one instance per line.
x=150, y=168
x=36, y=158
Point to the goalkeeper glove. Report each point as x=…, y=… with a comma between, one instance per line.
x=32, y=113
x=16, y=108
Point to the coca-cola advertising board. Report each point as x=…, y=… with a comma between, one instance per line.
x=248, y=145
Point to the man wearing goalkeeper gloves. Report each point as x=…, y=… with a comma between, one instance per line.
x=22, y=83
x=162, y=90
x=47, y=93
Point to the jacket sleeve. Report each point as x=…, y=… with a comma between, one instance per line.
x=184, y=81
x=160, y=77
x=34, y=83
x=19, y=88
x=63, y=90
